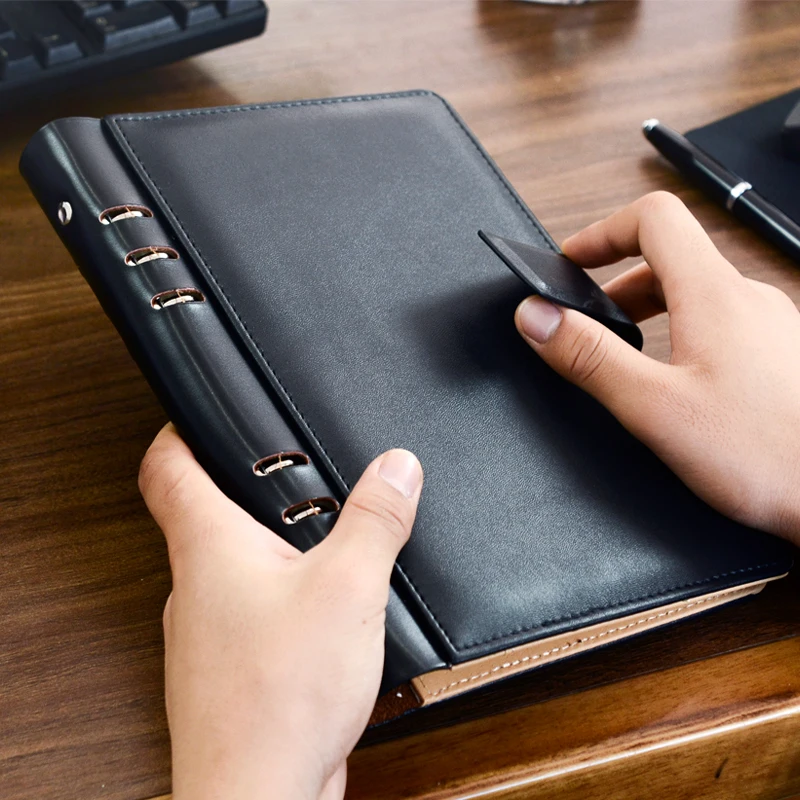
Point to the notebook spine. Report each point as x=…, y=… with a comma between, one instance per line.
x=152, y=295
x=208, y=385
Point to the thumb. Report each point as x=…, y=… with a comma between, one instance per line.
x=593, y=357
x=376, y=520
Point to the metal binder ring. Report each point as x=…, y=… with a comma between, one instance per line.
x=119, y=213
x=152, y=253
x=174, y=297
x=309, y=508
x=278, y=461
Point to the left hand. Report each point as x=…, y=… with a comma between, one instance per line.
x=273, y=657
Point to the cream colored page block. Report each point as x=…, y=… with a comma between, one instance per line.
x=460, y=678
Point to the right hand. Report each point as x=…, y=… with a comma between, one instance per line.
x=724, y=414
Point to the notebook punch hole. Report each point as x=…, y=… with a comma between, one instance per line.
x=144, y=255
x=306, y=509
x=141, y=255
x=309, y=508
x=264, y=467
x=118, y=213
x=176, y=297
x=278, y=461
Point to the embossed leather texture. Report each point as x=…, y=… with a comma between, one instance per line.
x=350, y=308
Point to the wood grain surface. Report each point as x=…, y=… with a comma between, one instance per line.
x=557, y=95
x=728, y=732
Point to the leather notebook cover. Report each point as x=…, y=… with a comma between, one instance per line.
x=307, y=279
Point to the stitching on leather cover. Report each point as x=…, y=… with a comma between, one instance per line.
x=535, y=222
x=652, y=596
x=325, y=101
x=577, y=643
x=353, y=99
x=114, y=121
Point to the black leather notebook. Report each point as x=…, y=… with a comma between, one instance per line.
x=304, y=287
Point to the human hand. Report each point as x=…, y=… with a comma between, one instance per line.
x=273, y=657
x=724, y=414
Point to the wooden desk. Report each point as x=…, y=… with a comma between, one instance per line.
x=557, y=95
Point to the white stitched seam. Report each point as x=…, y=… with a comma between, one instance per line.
x=577, y=642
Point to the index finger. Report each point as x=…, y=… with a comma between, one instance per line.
x=660, y=228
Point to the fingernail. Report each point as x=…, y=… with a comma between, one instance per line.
x=538, y=319
x=400, y=469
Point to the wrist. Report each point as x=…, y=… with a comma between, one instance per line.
x=230, y=783
x=246, y=773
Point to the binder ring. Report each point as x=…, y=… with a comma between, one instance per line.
x=151, y=253
x=309, y=508
x=278, y=461
x=174, y=297
x=119, y=213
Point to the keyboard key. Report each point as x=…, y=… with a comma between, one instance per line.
x=54, y=44
x=237, y=6
x=83, y=10
x=120, y=28
x=192, y=12
x=16, y=59
x=56, y=48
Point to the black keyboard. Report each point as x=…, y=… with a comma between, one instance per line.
x=52, y=46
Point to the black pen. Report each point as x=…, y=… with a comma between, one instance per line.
x=728, y=189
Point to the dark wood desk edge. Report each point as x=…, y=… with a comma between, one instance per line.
x=741, y=708
x=730, y=729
